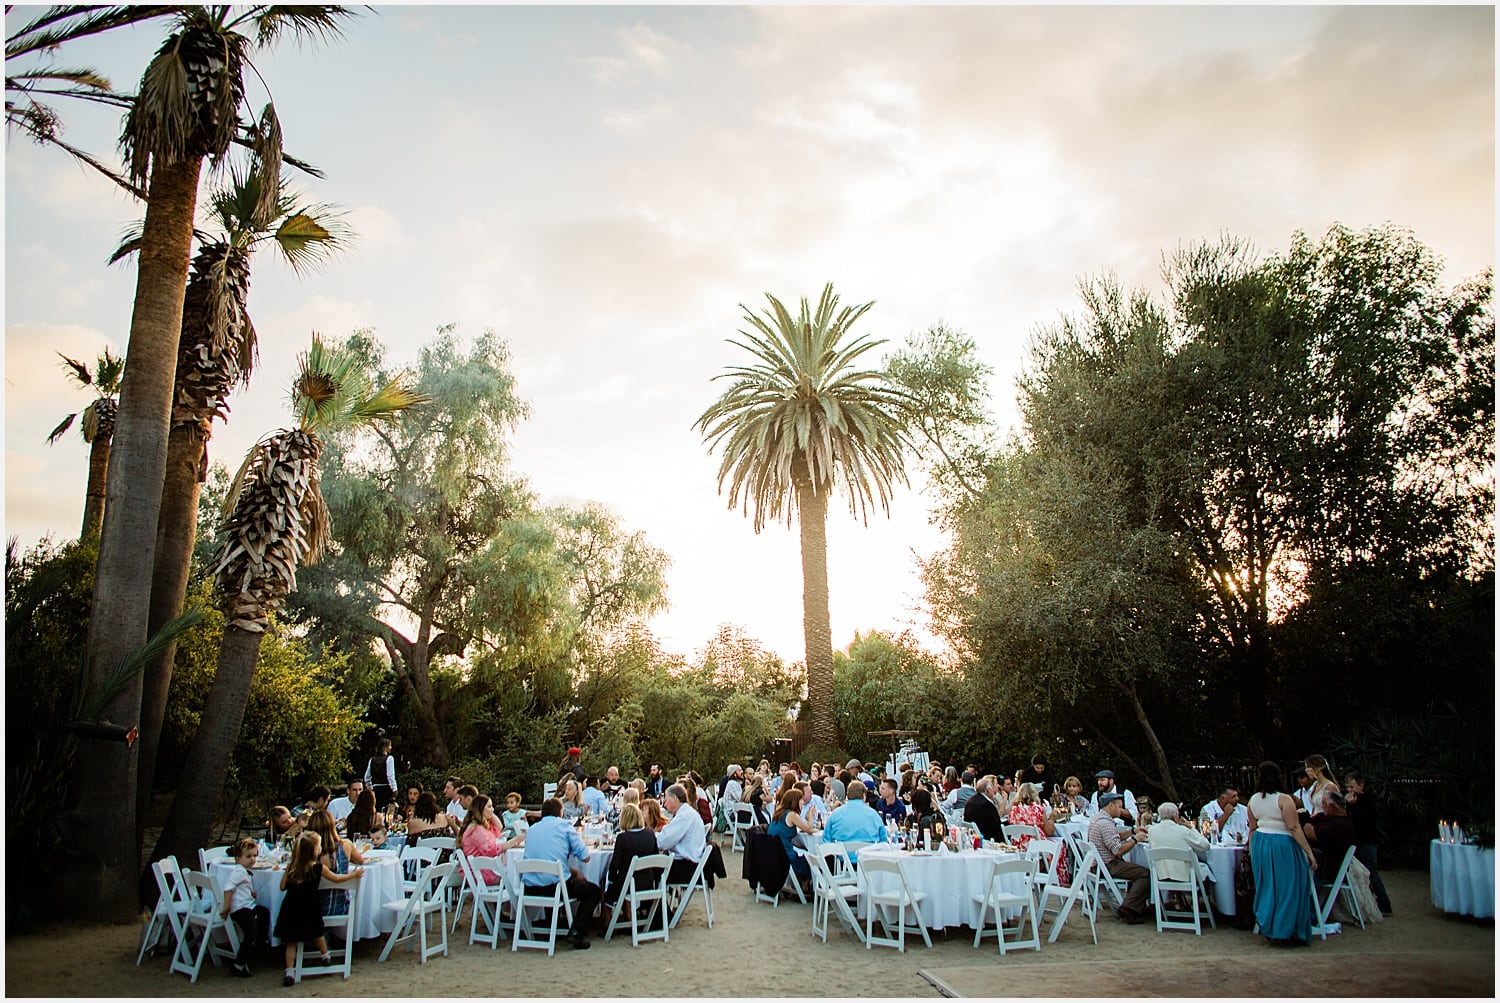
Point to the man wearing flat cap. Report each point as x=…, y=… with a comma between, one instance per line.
x=732, y=790
x=1106, y=781
x=1112, y=847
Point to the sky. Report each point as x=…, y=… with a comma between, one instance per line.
x=605, y=186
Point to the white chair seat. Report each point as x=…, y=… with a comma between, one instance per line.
x=430, y=899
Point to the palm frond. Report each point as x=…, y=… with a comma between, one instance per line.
x=312, y=234
x=109, y=369
x=267, y=166
x=133, y=663
x=77, y=370
x=306, y=23
x=130, y=242
x=64, y=23
x=62, y=428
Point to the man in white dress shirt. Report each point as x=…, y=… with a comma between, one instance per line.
x=1230, y=816
x=683, y=836
x=341, y=807
x=1106, y=781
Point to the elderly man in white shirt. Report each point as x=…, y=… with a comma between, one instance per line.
x=683, y=836
x=1173, y=832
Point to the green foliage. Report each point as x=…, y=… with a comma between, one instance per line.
x=303, y=718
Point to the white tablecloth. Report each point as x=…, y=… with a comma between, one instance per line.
x=1222, y=861
x=595, y=869
x=950, y=880
x=1463, y=878
x=381, y=884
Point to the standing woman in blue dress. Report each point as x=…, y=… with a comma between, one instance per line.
x=1281, y=861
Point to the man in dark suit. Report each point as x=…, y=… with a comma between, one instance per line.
x=981, y=813
x=656, y=784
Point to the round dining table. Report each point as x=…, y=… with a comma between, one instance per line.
x=380, y=885
x=951, y=880
x=1462, y=878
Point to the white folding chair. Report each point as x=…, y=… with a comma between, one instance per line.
x=1110, y=885
x=1049, y=854
x=741, y=820
x=1083, y=893
x=340, y=959
x=172, y=906
x=548, y=790
x=1323, y=905
x=414, y=861
x=829, y=892
x=634, y=895
x=1192, y=886
x=900, y=898
x=552, y=897
x=998, y=898
x=200, y=925
x=682, y=894
x=438, y=843
x=205, y=855
x=428, y=900
x=488, y=898
x=1012, y=831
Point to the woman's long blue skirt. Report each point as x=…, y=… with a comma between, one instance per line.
x=1283, y=887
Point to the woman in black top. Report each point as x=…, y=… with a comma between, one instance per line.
x=925, y=819
x=635, y=840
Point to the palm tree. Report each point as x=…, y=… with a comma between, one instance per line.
x=187, y=110
x=96, y=423
x=793, y=425
x=276, y=520
x=215, y=352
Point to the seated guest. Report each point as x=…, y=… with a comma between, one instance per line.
x=1076, y=802
x=512, y=819
x=1005, y=794
x=316, y=800
x=554, y=839
x=1028, y=809
x=1173, y=832
x=1363, y=812
x=906, y=780
x=960, y=795
x=980, y=811
x=835, y=786
x=1227, y=812
x=571, y=796
x=656, y=819
x=757, y=798
x=814, y=808
x=1107, y=785
x=925, y=818
x=283, y=824
x=855, y=821
x=639, y=786
x=732, y=790
x=636, y=839
x=426, y=820
x=611, y=785
x=455, y=809
x=365, y=821
x=593, y=798
x=1331, y=833
x=483, y=837
x=950, y=780
x=683, y=836
x=695, y=797
x=466, y=795
x=789, y=826
x=409, y=800
x=656, y=783
x=889, y=807
x=1112, y=850
x=340, y=808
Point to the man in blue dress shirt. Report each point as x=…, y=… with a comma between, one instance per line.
x=553, y=839
x=854, y=821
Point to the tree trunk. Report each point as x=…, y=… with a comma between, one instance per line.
x=431, y=749
x=93, y=499
x=817, y=635
x=103, y=787
x=1167, y=784
x=202, y=780
x=176, y=531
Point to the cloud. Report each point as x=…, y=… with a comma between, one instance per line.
x=642, y=51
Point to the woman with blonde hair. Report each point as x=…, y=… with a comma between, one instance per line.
x=1322, y=780
x=571, y=797
x=636, y=839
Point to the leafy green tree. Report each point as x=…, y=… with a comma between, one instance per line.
x=187, y=110
x=277, y=522
x=793, y=425
x=96, y=424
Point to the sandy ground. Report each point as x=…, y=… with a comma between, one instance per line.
x=754, y=950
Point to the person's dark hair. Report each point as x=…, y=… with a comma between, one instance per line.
x=552, y=807
x=383, y=747
x=468, y=791
x=1268, y=779
x=475, y=814
x=591, y=781
x=888, y=782
x=457, y=783
x=968, y=777
x=818, y=787
x=855, y=790
x=1039, y=760
x=318, y=793
x=427, y=807
x=921, y=801
x=1229, y=789
x=415, y=785
x=1354, y=775
x=362, y=819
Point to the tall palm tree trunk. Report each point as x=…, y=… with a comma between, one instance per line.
x=93, y=499
x=817, y=634
x=176, y=531
x=202, y=779
x=99, y=876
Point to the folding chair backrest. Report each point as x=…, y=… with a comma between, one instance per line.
x=554, y=868
x=548, y=790
x=1173, y=854
x=648, y=862
x=1012, y=831
x=416, y=859
x=1026, y=867
x=208, y=855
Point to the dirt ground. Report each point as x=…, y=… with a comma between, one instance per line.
x=755, y=950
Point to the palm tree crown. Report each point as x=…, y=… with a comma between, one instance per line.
x=802, y=409
x=99, y=416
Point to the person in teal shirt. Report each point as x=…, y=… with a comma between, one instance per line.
x=854, y=821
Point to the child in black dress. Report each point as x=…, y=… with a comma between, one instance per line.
x=301, y=916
